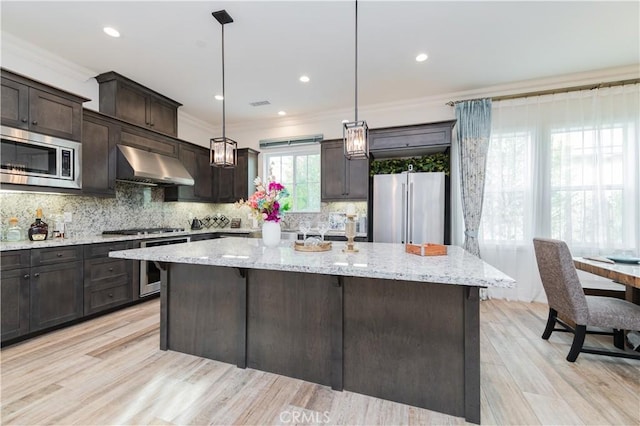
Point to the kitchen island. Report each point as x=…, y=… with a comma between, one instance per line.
x=379, y=322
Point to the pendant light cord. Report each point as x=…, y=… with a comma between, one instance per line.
x=224, y=97
x=356, y=95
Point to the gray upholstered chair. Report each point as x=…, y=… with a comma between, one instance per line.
x=567, y=299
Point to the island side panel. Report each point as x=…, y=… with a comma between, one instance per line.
x=405, y=342
x=472, y=354
x=204, y=311
x=289, y=324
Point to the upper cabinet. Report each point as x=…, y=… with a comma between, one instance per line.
x=132, y=102
x=99, y=137
x=342, y=179
x=410, y=141
x=196, y=160
x=37, y=107
x=233, y=184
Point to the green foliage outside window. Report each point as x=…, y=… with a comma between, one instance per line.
x=438, y=162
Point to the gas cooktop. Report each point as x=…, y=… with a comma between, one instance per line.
x=142, y=231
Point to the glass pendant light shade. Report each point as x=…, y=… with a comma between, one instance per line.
x=223, y=152
x=356, y=140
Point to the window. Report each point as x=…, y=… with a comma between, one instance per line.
x=298, y=169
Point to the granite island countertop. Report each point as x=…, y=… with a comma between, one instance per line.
x=374, y=260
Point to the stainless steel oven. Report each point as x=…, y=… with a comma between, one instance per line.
x=149, y=271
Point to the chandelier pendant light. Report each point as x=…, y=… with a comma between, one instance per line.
x=356, y=133
x=223, y=151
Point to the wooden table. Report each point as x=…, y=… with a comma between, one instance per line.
x=623, y=273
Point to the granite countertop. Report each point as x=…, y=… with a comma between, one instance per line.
x=374, y=260
x=96, y=239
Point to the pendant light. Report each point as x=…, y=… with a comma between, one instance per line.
x=356, y=133
x=223, y=151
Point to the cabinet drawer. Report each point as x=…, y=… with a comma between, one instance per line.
x=97, y=270
x=52, y=256
x=15, y=259
x=92, y=251
x=96, y=300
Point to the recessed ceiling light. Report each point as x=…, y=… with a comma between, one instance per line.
x=219, y=97
x=282, y=113
x=304, y=78
x=421, y=57
x=111, y=32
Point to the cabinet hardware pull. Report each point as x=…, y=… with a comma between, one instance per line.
x=24, y=120
x=34, y=122
x=37, y=274
x=110, y=269
x=59, y=254
x=26, y=276
x=110, y=294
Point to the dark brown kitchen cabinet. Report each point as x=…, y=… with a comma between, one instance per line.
x=56, y=294
x=99, y=137
x=233, y=184
x=149, y=141
x=108, y=282
x=34, y=106
x=342, y=179
x=196, y=161
x=14, y=293
x=410, y=141
x=130, y=101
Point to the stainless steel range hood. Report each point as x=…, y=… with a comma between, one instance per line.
x=148, y=168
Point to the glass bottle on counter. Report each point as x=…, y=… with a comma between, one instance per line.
x=39, y=230
x=14, y=233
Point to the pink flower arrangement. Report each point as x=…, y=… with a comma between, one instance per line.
x=268, y=202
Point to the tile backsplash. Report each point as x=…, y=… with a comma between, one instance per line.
x=135, y=206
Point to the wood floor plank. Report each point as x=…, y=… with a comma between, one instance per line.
x=110, y=371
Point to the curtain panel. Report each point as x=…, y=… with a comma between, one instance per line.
x=473, y=130
x=565, y=166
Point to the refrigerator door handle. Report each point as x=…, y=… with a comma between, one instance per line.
x=403, y=229
x=410, y=214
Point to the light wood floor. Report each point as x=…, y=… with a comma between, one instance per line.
x=110, y=371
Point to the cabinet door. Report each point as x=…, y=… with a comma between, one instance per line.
x=131, y=106
x=246, y=172
x=98, y=156
x=358, y=179
x=56, y=294
x=223, y=185
x=15, y=104
x=203, y=188
x=14, y=302
x=332, y=170
x=54, y=115
x=162, y=117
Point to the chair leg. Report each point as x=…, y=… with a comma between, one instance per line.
x=551, y=323
x=578, y=340
x=618, y=338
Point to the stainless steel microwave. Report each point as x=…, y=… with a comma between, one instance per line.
x=28, y=158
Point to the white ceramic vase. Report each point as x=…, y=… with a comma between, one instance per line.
x=270, y=233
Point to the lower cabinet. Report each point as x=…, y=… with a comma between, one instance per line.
x=14, y=302
x=56, y=294
x=108, y=282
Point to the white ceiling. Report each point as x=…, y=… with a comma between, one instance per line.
x=173, y=47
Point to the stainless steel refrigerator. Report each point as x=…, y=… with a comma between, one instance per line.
x=409, y=207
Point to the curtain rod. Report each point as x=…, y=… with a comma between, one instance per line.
x=554, y=91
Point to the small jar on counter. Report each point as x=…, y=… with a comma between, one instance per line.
x=14, y=233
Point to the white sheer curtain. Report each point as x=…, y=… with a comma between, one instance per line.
x=564, y=166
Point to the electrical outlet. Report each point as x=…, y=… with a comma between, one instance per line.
x=67, y=217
